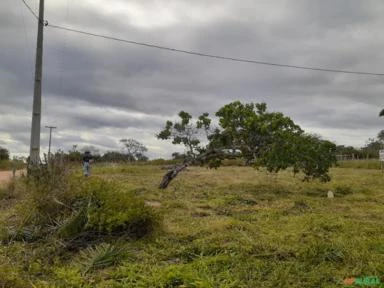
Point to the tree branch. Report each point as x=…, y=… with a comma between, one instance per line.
x=202, y=158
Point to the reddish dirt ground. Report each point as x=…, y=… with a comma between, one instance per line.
x=6, y=176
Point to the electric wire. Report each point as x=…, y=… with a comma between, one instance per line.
x=214, y=56
x=64, y=47
x=30, y=9
x=27, y=46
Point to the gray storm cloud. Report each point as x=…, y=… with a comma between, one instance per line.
x=98, y=91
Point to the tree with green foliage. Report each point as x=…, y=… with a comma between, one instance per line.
x=113, y=156
x=179, y=156
x=372, y=148
x=74, y=156
x=4, y=154
x=253, y=130
x=134, y=150
x=272, y=140
x=313, y=157
x=265, y=139
x=380, y=136
x=381, y=114
x=348, y=152
x=187, y=133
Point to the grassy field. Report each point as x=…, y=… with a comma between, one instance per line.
x=231, y=227
x=360, y=164
x=7, y=165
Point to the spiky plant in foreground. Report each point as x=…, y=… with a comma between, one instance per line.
x=102, y=256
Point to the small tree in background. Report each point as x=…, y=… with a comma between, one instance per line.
x=179, y=156
x=74, y=155
x=113, y=156
x=187, y=133
x=4, y=154
x=380, y=136
x=348, y=152
x=134, y=150
x=372, y=148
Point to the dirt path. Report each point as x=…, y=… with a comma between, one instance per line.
x=6, y=176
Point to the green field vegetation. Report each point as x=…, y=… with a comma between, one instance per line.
x=358, y=164
x=7, y=165
x=231, y=227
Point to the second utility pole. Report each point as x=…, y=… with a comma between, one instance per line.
x=34, y=152
x=50, y=137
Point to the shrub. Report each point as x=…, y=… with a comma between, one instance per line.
x=51, y=192
x=116, y=211
x=77, y=210
x=72, y=226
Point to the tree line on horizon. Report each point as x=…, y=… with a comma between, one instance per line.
x=187, y=135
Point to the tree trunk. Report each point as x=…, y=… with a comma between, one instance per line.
x=202, y=158
x=167, y=178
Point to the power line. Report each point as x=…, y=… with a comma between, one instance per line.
x=30, y=10
x=243, y=60
x=27, y=48
x=215, y=56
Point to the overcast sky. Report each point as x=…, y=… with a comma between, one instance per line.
x=97, y=91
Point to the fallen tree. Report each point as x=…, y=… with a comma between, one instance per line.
x=209, y=157
x=263, y=139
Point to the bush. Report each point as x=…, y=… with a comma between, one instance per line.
x=46, y=195
x=60, y=216
x=77, y=210
x=51, y=193
x=116, y=211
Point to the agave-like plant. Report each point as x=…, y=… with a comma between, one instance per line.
x=102, y=256
x=24, y=233
x=74, y=225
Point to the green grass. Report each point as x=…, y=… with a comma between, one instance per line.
x=8, y=165
x=231, y=227
x=360, y=164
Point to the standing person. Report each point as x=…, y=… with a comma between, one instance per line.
x=87, y=163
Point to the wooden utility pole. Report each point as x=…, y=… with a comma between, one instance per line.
x=50, y=137
x=34, y=152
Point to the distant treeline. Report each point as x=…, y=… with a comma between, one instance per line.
x=369, y=151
